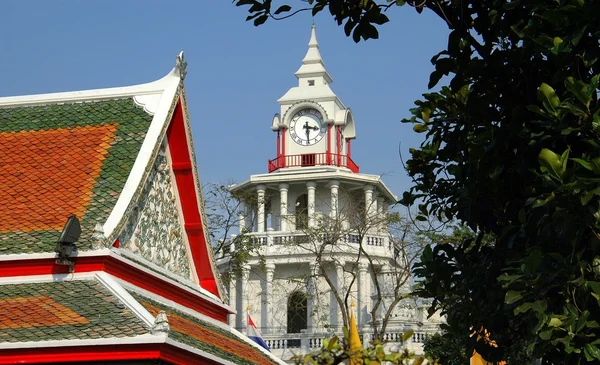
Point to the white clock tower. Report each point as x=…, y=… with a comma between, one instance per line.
x=314, y=127
x=289, y=285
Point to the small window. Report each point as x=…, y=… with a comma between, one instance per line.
x=297, y=312
x=311, y=82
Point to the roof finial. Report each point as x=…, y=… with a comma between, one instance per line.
x=313, y=66
x=181, y=64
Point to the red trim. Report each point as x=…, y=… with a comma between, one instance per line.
x=60, y=355
x=329, y=144
x=119, y=269
x=349, y=149
x=117, y=243
x=48, y=266
x=184, y=177
x=339, y=145
x=283, y=143
x=278, y=143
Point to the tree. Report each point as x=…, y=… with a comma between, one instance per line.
x=223, y=210
x=354, y=231
x=445, y=349
x=511, y=148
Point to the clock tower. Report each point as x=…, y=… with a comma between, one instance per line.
x=317, y=227
x=314, y=127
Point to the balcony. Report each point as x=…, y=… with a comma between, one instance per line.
x=313, y=159
x=285, y=345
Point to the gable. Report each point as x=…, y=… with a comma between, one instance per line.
x=165, y=223
x=154, y=230
x=64, y=159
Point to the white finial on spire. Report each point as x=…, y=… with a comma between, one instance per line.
x=312, y=72
x=313, y=37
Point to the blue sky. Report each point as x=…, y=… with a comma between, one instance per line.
x=236, y=71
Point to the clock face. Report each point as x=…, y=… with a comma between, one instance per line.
x=307, y=127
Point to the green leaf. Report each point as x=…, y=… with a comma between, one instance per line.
x=434, y=78
x=555, y=322
x=578, y=89
x=420, y=128
x=260, y=20
x=592, y=350
x=595, y=286
x=512, y=296
x=552, y=161
x=282, y=9
x=407, y=335
x=548, y=97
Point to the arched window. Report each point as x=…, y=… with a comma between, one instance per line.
x=302, y=212
x=297, y=312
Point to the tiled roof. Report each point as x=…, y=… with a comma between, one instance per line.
x=63, y=159
x=205, y=336
x=63, y=311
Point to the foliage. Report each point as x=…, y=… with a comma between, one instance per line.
x=511, y=148
x=336, y=351
x=445, y=349
x=349, y=232
x=223, y=210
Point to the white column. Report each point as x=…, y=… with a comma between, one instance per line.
x=242, y=217
x=260, y=219
x=369, y=201
x=312, y=297
x=363, y=293
x=283, y=207
x=311, y=186
x=339, y=273
x=266, y=313
x=232, y=298
x=243, y=311
x=381, y=213
x=334, y=185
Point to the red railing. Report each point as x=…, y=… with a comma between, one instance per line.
x=312, y=159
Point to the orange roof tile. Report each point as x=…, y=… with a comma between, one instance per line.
x=26, y=312
x=49, y=168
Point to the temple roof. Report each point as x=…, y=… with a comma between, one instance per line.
x=62, y=159
x=89, y=311
x=122, y=160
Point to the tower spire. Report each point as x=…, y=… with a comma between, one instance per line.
x=313, y=72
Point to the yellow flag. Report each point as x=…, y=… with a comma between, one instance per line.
x=354, y=340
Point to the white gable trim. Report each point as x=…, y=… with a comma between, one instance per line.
x=195, y=351
x=139, y=339
x=201, y=317
x=117, y=290
x=170, y=85
x=198, y=291
x=51, y=255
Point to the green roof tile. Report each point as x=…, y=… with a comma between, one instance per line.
x=95, y=142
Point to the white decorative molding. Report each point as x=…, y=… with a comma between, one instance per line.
x=140, y=339
x=47, y=278
x=201, y=353
x=154, y=230
x=48, y=255
x=149, y=102
x=199, y=291
x=124, y=297
x=170, y=87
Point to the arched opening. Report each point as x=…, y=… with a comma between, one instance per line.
x=302, y=212
x=297, y=312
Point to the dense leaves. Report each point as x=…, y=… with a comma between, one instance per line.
x=445, y=349
x=512, y=149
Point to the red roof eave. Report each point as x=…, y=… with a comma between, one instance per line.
x=122, y=269
x=67, y=354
